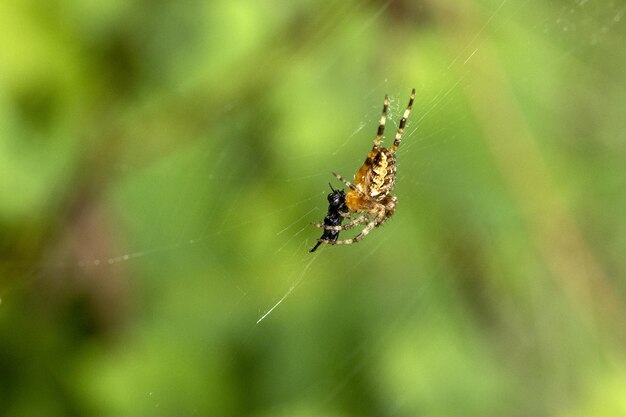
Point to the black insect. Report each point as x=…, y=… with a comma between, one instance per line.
x=337, y=211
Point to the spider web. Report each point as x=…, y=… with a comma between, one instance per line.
x=217, y=230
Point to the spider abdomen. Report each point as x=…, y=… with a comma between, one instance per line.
x=383, y=175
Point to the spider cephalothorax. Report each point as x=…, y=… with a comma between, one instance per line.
x=369, y=197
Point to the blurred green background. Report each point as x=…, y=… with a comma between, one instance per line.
x=161, y=163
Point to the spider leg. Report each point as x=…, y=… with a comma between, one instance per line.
x=377, y=221
x=381, y=126
x=402, y=124
x=350, y=225
x=347, y=183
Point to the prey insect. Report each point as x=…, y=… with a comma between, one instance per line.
x=337, y=211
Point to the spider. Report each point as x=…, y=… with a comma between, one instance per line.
x=369, y=197
x=337, y=211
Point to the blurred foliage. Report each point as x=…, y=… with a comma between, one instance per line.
x=160, y=164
